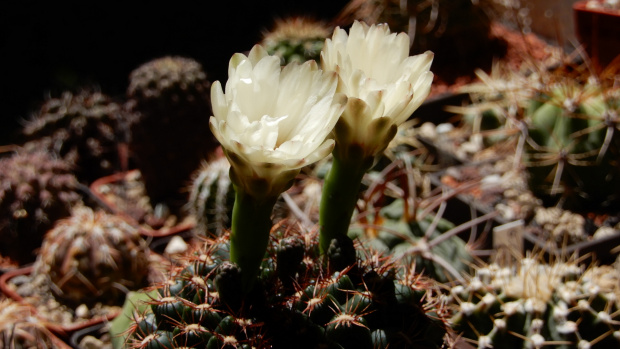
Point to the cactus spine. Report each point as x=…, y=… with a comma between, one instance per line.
x=297, y=302
x=169, y=103
x=90, y=256
x=36, y=189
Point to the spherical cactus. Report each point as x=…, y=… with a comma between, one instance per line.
x=36, y=189
x=20, y=328
x=169, y=128
x=572, y=154
x=211, y=198
x=537, y=305
x=91, y=257
x=298, y=302
x=296, y=39
x=84, y=129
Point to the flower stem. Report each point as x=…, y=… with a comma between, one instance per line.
x=251, y=225
x=338, y=200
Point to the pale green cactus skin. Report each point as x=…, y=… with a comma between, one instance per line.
x=412, y=243
x=534, y=305
x=570, y=152
x=296, y=302
x=211, y=198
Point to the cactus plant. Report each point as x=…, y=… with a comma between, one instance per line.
x=83, y=128
x=20, y=328
x=535, y=305
x=211, y=198
x=565, y=122
x=298, y=302
x=36, y=189
x=168, y=99
x=296, y=39
x=92, y=257
x=572, y=150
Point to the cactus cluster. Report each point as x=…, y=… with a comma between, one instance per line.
x=537, y=304
x=562, y=122
x=83, y=128
x=168, y=99
x=211, y=198
x=296, y=39
x=36, y=189
x=93, y=257
x=298, y=302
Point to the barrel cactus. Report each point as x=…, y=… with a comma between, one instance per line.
x=298, y=302
x=93, y=256
x=84, y=128
x=168, y=99
x=211, y=198
x=296, y=39
x=36, y=190
x=535, y=305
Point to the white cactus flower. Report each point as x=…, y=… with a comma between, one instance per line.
x=384, y=84
x=271, y=121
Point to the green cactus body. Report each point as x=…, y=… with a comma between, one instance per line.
x=84, y=129
x=569, y=154
x=36, y=189
x=297, y=302
x=536, y=305
x=296, y=39
x=169, y=129
x=86, y=258
x=211, y=198
x=411, y=242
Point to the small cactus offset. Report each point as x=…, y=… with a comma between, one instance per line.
x=211, y=198
x=36, y=190
x=83, y=128
x=535, y=305
x=297, y=302
x=296, y=39
x=92, y=257
x=168, y=99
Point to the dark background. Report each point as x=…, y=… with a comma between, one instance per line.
x=47, y=47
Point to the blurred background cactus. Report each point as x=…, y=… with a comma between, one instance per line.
x=211, y=198
x=85, y=129
x=296, y=39
x=573, y=149
x=36, y=189
x=20, y=328
x=91, y=257
x=168, y=99
x=533, y=304
x=562, y=124
x=298, y=302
